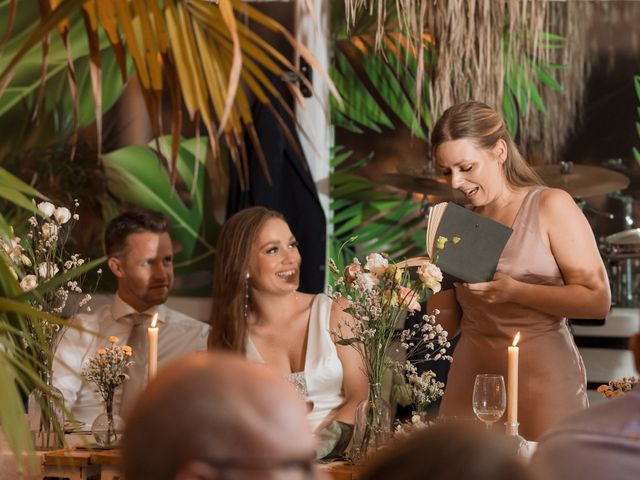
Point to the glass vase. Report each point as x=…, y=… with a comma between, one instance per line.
x=108, y=427
x=45, y=407
x=518, y=445
x=372, y=426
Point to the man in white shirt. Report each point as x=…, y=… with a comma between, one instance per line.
x=140, y=255
x=600, y=442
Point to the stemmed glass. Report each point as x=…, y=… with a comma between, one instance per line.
x=489, y=398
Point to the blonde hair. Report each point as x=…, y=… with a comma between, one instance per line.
x=482, y=125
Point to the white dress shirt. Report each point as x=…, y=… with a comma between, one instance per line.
x=178, y=334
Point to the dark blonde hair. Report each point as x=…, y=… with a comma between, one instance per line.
x=230, y=285
x=482, y=125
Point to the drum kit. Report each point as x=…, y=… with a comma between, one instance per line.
x=620, y=251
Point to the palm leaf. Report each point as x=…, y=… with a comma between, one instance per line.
x=134, y=175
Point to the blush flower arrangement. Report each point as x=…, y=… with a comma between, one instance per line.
x=107, y=370
x=377, y=295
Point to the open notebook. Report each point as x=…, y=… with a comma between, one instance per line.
x=474, y=257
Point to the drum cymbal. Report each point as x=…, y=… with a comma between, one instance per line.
x=428, y=185
x=583, y=180
x=626, y=237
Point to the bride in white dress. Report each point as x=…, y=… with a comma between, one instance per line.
x=258, y=311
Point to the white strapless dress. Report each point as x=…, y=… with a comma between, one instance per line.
x=322, y=375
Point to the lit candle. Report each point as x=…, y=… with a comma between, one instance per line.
x=153, y=348
x=512, y=381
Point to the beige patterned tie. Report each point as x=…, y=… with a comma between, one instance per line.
x=139, y=343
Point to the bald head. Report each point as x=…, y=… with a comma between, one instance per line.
x=211, y=408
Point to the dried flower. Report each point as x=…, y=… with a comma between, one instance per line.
x=108, y=369
x=618, y=387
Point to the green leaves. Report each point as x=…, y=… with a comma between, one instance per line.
x=136, y=175
x=368, y=218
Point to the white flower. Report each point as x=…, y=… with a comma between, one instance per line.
x=49, y=230
x=46, y=208
x=29, y=282
x=47, y=270
x=367, y=281
x=376, y=264
x=430, y=276
x=62, y=215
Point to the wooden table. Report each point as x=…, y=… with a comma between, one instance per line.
x=341, y=470
x=73, y=464
x=110, y=462
x=81, y=464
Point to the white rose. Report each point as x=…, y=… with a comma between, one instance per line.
x=430, y=276
x=367, y=281
x=46, y=208
x=62, y=215
x=47, y=270
x=376, y=264
x=29, y=282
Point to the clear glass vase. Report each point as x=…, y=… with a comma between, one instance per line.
x=107, y=428
x=372, y=427
x=45, y=407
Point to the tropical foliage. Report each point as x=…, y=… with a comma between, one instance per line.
x=385, y=83
x=196, y=53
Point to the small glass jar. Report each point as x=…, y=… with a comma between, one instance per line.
x=107, y=429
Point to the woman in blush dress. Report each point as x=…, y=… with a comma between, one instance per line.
x=549, y=270
x=259, y=312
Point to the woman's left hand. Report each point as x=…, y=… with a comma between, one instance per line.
x=498, y=290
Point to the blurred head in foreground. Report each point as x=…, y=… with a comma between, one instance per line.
x=217, y=416
x=449, y=451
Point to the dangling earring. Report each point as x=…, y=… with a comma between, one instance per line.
x=246, y=297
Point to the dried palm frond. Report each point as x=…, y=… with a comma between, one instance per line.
x=482, y=47
x=213, y=63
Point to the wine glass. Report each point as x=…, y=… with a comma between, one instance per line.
x=489, y=398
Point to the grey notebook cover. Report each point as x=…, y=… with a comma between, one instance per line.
x=475, y=257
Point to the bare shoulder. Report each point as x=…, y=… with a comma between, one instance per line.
x=556, y=205
x=555, y=198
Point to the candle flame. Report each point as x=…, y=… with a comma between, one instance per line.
x=516, y=339
x=154, y=320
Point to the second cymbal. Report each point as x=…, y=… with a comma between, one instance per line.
x=583, y=181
